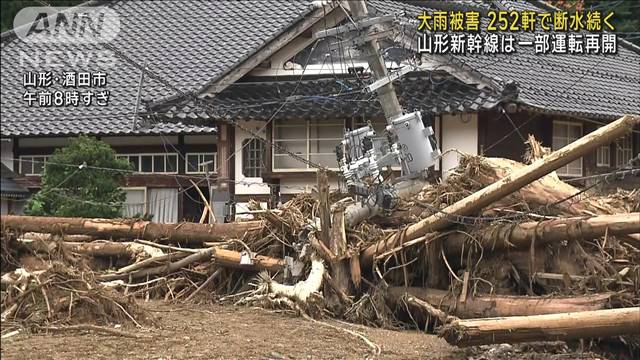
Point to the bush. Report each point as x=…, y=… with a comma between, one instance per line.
x=81, y=180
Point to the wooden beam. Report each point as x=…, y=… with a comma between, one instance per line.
x=501, y=237
x=550, y=327
x=483, y=306
x=185, y=232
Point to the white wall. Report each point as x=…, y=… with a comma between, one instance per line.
x=7, y=153
x=459, y=131
x=256, y=184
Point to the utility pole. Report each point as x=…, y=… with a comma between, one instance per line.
x=362, y=154
x=386, y=93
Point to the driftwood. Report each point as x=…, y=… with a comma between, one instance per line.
x=520, y=236
x=550, y=327
x=499, y=305
x=50, y=237
x=338, y=243
x=227, y=258
x=512, y=182
x=190, y=233
x=300, y=291
x=94, y=248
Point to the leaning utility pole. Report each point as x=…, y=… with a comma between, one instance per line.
x=363, y=153
x=386, y=93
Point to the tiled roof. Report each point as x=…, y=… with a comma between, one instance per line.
x=331, y=98
x=189, y=43
x=596, y=86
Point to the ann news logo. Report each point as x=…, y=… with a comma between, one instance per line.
x=72, y=25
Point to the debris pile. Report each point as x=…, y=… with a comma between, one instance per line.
x=500, y=251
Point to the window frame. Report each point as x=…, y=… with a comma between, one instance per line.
x=621, y=149
x=140, y=155
x=600, y=156
x=31, y=173
x=199, y=154
x=568, y=124
x=146, y=194
x=262, y=153
x=307, y=141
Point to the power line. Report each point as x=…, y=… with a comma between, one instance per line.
x=132, y=172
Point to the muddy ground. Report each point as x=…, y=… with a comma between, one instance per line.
x=229, y=332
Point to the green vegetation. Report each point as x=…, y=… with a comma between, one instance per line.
x=78, y=182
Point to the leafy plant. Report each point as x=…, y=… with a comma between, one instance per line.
x=81, y=180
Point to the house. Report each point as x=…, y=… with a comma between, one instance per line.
x=168, y=157
x=261, y=103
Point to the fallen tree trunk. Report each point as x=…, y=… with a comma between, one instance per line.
x=499, y=305
x=520, y=236
x=66, y=237
x=225, y=258
x=190, y=233
x=551, y=327
x=94, y=248
x=512, y=182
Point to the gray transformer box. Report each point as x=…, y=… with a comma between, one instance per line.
x=416, y=144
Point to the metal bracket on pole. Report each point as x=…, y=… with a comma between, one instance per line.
x=389, y=78
x=359, y=25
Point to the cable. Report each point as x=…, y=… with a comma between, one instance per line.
x=537, y=114
x=194, y=176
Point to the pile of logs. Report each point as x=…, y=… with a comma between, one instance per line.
x=498, y=252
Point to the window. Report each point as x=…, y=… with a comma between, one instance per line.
x=624, y=150
x=199, y=163
x=564, y=133
x=153, y=163
x=312, y=140
x=135, y=204
x=33, y=164
x=603, y=156
x=162, y=203
x=253, y=153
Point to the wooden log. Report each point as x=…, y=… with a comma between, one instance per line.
x=223, y=257
x=550, y=327
x=94, y=248
x=212, y=217
x=190, y=233
x=499, y=305
x=324, y=210
x=507, y=185
x=429, y=309
x=338, y=242
x=499, y=237
x=153, y=261
x=204, y=284
x=47, y=237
